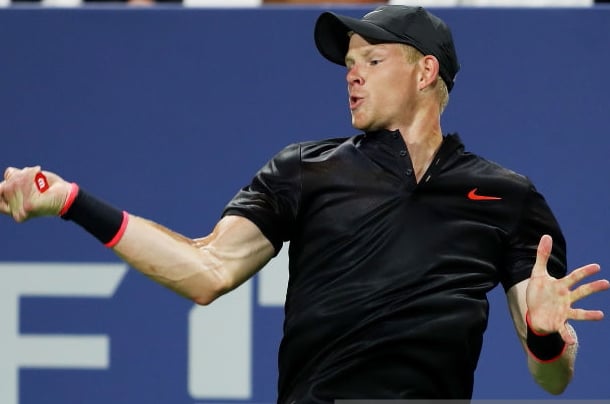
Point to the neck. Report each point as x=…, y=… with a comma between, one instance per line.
x=423, y=137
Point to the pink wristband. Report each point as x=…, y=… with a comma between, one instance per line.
x=69, y=199
x=119, y=234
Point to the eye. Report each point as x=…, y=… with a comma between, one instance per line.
x=374, y=62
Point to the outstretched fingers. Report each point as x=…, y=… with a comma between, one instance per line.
x=585, y=290
x=581, y=273
x=588, y=289
x=566, y=335
x=585, y=315
x=542, y=256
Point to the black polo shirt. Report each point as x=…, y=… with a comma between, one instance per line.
x=388, y=277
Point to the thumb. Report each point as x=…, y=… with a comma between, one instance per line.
x=542, y=256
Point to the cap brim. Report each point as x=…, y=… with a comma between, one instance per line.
x=331, y=35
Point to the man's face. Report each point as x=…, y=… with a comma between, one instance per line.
x=381, y=84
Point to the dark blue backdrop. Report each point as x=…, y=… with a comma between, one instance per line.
x=167, y=112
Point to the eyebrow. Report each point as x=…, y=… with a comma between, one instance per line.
x=368, y=50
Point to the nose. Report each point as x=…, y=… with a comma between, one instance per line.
x=354, y=77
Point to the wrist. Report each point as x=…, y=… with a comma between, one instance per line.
x=71, y=195
x=103, y=221
x=544, y=347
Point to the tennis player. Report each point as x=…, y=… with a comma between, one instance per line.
x=396, y=234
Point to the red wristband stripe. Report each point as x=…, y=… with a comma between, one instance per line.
x=528, y=321
x=117, y=237
x=70, y=199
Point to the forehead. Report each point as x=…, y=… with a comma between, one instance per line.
x=359, y=44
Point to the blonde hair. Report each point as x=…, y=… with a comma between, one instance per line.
x=413, y=56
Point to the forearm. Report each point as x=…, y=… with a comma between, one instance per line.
x=159, y=253
x=172, y=260
x=554, y=373
x=554, y=376
x=199, y=269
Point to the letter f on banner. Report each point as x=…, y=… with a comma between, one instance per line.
x=53, y=351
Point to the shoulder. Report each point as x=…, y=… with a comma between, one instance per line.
x=467, y=171
x=312, y=149
x=485, y=170
x=493, y=168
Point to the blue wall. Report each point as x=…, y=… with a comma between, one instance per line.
x=167, y=112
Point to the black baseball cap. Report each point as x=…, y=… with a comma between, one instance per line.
x=413, y=26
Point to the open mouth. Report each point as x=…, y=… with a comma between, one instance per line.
x=355, y=102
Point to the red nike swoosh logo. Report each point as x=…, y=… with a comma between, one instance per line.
x=472, y=195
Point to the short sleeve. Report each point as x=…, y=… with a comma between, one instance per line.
x=536, y=219
x=271, y=200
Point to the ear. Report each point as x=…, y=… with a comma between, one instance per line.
x=429, y=71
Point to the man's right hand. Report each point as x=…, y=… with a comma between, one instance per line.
x=24, y=194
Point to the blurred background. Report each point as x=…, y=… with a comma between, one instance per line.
x=166, y=109
x=315, y=3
